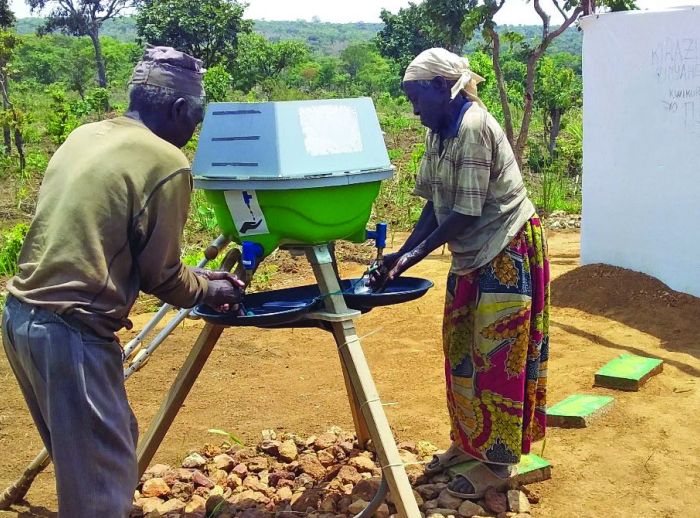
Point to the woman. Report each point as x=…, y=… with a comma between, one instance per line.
x=495, y=330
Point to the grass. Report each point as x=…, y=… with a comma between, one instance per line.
x=10, y=245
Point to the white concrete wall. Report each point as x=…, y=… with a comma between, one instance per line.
x=641, y=150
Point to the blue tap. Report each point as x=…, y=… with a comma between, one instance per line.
x=251, y=254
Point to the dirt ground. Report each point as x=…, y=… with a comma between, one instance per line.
x=638, y=460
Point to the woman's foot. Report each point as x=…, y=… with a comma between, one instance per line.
x=454, y=455
x=474, y=482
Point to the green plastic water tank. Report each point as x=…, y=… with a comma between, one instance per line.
x=294, y=172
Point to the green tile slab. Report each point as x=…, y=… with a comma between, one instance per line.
x=628, y=372
x=532, y=469
x=577, y=410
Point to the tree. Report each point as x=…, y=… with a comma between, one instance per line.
x=7, y=17
x=406, y=34
x=261, y=62
x=7, y=20
x=81, y=18
x=12, y=118
x=482, y=16
x=207, y=29
x=557, y=90
x=446, y=21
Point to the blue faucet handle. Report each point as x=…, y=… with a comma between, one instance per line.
x=379, y=235
x=250, y=255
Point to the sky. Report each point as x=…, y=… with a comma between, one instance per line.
x=515, y=12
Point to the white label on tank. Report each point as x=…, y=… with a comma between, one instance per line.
x=246, y=213
x=330, y=129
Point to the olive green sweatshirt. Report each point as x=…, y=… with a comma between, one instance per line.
x=108, y=223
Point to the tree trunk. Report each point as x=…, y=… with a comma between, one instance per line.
x=99, y=58
x=7, y=137
x=554, y=129
x=527, y=109
x=6, y=131
x=19, y=140
x=500, y=81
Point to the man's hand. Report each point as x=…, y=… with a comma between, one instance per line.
x=224, y=290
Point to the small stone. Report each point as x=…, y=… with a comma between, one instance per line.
x=219, y=477
x=518, y=502
x=366, y=489
x=429, y=491
x=382, y=511
x=157, y=471
x=211, y=450
x=148, y=504
x=325, y=440
x=256, y=464
x=304, y=481
x=254, y=483
x=196, y=503
x=309, y=498
x=185, y=475
x=171, y=506
x=326, y=457
x=349, y=475
x=233, y=481
x=202, y=491
x=408, y=445
x=155, y=487
x=182, y=490
x=448, y=501
x=431, y=504
x=241, y=470
x=425, y=449
x=310, y=465
x=440, y=478
x=288, y=451
x=362, y=464
x=440, y=512
x=357, y=506
x=276, y=476
x=224, y=462
x=284, y=493
x=217, y=491
x=270, y=447
x=194, y=460
x=248, y=496
x=495, y=501
x=407, y=457
x=200, y=479
x=269, y=435
x=329, y=503
x=468, y=509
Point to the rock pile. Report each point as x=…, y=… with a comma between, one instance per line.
x=560, y=220
x=287, y=476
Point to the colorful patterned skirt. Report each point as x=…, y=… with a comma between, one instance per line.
x=496, y=343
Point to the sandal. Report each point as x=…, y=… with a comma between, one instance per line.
x=481, y=478
x=451, y=457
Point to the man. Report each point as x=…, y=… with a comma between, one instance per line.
x=108, y=223
x=495, y=329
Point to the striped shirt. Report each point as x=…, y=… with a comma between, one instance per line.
x=475, y=174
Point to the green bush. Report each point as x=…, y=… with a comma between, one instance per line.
x=10, y=245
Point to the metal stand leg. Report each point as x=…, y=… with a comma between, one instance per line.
x=363, y=391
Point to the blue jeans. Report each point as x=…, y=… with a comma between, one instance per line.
x=73, y=384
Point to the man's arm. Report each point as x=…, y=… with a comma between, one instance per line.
x=158, y=230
